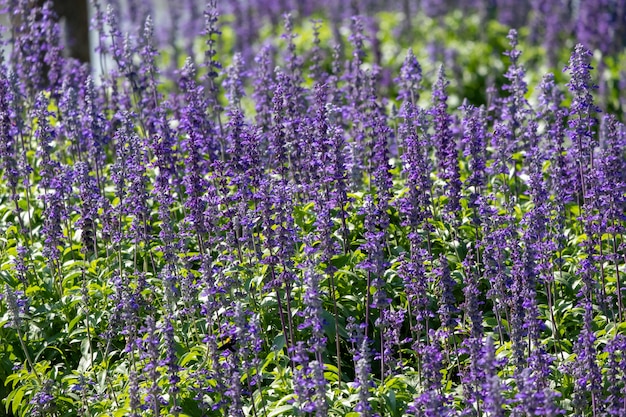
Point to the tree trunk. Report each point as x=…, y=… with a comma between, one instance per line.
x=75, y=13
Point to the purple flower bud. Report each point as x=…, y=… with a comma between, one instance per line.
x=447, y=153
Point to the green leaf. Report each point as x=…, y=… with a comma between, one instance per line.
x=278, y=411
x=190, y=356
x=331, y=373
x=390, y=398
x=120, y=413
x=16, y=401
x=279, y=342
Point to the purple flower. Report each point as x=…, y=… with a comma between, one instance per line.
x=313, y=310
x=90, y=202
x=234, y=82
x=316, y=69
x=293, y=70
x=515, y=108
x=8, y=140
x=263, y=82
x=586, y=372
x=582, y=118
x=150, y=353
x=309, y=382
x=94, y=125
x=431, y=402
x=37, y=50
x=18, y=305
x=362, y=378
x=551, y=20
x=139, y=11
x=171, y=362
x=390, y=322
x=447, y=153
x=211, y=63
x=416, y=167
x=511, y=13
x=611, y=175
x=375, y=242
x=616, y=370
x=447, y=310
x=43, y=400
x=197, y=148
x=381, y=175
x=410, y=79
x=415, y=210
x=118, y=49
x=551, y=110
x=493, y=388
x=130, y=178
x=124, y=319
x=55, y=184
x=133, y=393
x=146, y=82
x=474, y=146
x=594, y=26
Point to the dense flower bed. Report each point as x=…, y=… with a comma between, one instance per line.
x=309, y=227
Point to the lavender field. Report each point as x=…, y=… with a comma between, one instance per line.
x=266, y=208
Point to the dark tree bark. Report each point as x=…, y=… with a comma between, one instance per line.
x=75, y=13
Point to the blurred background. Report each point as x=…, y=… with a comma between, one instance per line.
x=599, y=24
x=467, y=36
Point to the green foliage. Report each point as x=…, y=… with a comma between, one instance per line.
x=72, y=343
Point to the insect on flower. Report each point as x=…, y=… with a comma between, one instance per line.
x=228, y=343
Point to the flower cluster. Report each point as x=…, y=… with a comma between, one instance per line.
x=312, y=230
